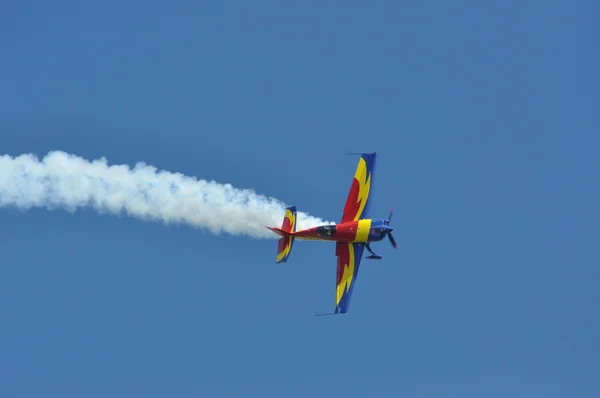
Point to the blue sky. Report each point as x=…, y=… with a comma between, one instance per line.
x=485, y=119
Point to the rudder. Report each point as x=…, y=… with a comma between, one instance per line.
x=284, y=246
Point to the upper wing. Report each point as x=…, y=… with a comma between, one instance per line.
x=357, y=203
x=348, y=261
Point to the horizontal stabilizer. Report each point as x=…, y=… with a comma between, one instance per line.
x=280, y=231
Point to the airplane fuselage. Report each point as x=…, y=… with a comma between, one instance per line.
x=353, y=235
x=361, y=231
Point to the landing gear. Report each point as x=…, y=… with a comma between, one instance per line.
x=373, y=256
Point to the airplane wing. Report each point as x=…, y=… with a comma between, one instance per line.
x=348, y=261
x=357, y=203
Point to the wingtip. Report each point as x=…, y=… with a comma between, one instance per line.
x=362, y=153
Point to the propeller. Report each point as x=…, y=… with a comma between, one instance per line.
x=392, y=240
x=389, y=234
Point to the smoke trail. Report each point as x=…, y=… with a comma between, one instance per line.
x=62, y=180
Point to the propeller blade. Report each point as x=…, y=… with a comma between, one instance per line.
x=391, y=214
x=392, y=240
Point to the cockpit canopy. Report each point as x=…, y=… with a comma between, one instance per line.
x=326, y=230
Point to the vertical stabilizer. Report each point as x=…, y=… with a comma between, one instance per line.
x=284, y=246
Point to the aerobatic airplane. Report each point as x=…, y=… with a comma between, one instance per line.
x=354, y=232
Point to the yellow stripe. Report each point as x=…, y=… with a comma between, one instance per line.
x=362, y=234
x=346, y=276
x=364, y=186
x=290, y=216
x=285, y=250
x=281, y=255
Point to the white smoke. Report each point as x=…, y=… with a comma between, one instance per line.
x=62, y=180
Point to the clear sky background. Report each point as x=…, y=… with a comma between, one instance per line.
x=485, y=118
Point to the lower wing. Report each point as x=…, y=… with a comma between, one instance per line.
x=348, y=262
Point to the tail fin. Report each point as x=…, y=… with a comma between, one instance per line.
x=288, y=227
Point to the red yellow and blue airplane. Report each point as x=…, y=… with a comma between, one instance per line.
x=354, y=232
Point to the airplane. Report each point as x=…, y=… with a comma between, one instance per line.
x=355, y=232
